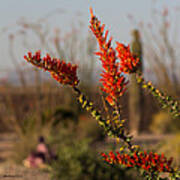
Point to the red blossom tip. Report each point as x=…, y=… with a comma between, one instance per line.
x=60, y=71
x=91, y=11
x=112, y=79
x=129, y=63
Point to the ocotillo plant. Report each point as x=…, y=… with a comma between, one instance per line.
x=115, y=63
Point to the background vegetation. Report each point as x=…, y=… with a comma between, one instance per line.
x=34, y=105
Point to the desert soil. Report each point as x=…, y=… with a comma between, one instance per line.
x=12, y=171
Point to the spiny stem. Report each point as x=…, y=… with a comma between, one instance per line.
x=164, y=100
x=97, y=115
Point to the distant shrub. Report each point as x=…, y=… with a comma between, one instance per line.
x=77, y=161
x=171, y=146
x=164, y=123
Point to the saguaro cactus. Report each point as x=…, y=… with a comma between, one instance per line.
x=135, y=93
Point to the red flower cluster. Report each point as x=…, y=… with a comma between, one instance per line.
x=112, y=78
x=148, y=161
x=60, y=71
x=129, y=62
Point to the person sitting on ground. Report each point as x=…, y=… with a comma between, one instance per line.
x=40, y=157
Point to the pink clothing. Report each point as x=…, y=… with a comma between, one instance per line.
x=34, y=161
x=41, y=148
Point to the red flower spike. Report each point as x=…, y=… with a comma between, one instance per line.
x=147, y=161
x=129, y=63
x=60, y=71
x=112, y=79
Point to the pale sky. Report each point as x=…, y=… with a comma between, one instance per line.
x=111, y=12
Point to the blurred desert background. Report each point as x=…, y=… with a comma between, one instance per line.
x=33, y=105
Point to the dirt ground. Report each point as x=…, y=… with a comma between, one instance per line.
x=11, y=171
